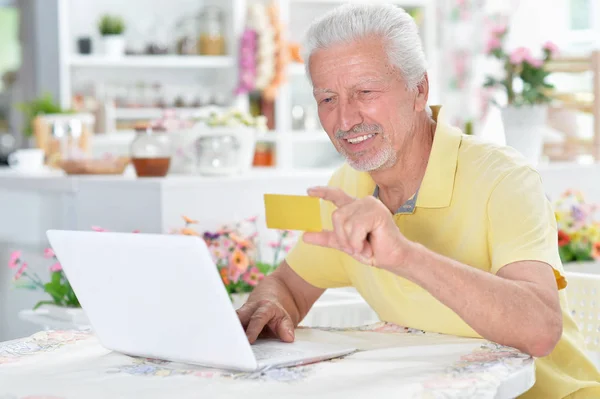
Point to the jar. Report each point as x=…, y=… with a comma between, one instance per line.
x=263, y=155
x=218, y=154
x=187, y=42
x=211, y=30
x=151, y=152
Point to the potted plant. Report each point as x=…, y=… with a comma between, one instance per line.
x=578, y=232
x=43, y=105
x=111, y=29
x=63, y=303
x=524, y=82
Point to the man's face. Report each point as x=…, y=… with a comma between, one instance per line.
x=364, y=105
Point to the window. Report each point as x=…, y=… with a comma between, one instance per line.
x=583, y=24
x=580, y=15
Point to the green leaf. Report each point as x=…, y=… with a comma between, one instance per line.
x=265, y=268
x=565, y=254
x=56, y=278
x=54, y=292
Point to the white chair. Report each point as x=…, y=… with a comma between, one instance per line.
x=583, y=295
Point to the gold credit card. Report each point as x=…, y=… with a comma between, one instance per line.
x=293, y=212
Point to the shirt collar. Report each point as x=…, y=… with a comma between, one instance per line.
x=437, y=186
x=438, y=183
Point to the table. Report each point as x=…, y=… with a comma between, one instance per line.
x=392, y=360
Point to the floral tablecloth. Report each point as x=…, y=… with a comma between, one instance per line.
x=393, y=361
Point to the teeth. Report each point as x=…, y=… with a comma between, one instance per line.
x=357, y=140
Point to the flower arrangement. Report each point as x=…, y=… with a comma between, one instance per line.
x=235, y=250
x=578, y=229
x=521, y=66
x=237, y=253
x=235, y=118
x=58, y=287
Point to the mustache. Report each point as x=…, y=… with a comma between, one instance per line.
x=362, y=128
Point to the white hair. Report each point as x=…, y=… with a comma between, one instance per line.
x=351, y=22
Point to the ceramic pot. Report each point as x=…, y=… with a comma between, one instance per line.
x=524, y=129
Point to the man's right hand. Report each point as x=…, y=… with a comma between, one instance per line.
x=266, y=318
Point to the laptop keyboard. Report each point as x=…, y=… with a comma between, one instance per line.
x=266, y=351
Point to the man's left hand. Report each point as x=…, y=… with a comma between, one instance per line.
x=363, y=228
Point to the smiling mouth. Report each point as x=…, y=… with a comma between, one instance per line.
x=360, y=139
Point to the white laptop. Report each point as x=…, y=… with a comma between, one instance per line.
x=160, y=296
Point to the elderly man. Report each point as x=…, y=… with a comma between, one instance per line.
x=436, y=230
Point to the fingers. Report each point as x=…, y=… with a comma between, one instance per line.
x=335, y=195
x=258, y=320
x=268, y=313
x=341, y=222
x=357, y=239
x=324, y=238
x=245, y=312
x=283, y=327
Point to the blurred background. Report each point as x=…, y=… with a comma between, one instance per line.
x=129, y=114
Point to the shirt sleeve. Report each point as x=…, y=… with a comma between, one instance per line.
x=522, y=225
x=319, y=266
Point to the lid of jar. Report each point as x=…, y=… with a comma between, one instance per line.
x=142, y=127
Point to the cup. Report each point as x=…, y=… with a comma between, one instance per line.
x=27, y=160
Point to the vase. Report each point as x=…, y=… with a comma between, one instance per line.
x=113, y=46
x=222, y=151
x=524, y=129
x=76, y=316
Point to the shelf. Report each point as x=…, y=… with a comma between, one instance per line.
x=156, y=113
x=151, y=61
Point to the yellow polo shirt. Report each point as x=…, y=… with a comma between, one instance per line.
x=479, y=204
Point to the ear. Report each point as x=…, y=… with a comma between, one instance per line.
x=422, y=93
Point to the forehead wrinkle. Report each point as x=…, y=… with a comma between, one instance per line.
x=353, y=87
x=320, y=91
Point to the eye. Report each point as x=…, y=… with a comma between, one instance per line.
x=326, y=100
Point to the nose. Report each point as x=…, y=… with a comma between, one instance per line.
x=348, y=115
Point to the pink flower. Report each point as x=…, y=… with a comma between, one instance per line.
x=20, y=272
x=287, y=248
x=135, y=231
x=14, y=260
x=519, y=55
x=234, y=274
x=493, y=44
x=551, y=47
x=253, y=277
x=498, y=30
x=252, y=219
x=56, y=267
x=534, y=62
x=273, y=244
x=98, y=229
x=49, y=253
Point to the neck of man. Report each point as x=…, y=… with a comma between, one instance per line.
x=400, y=181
